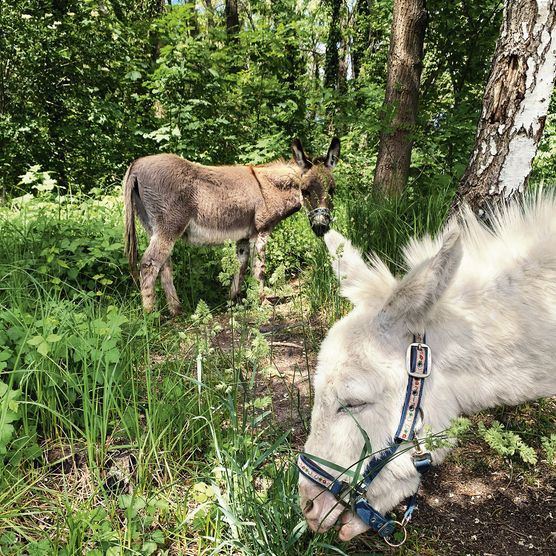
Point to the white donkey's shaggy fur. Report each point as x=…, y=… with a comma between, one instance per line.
x=487, y=301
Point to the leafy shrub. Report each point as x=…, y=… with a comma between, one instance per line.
x=291, y=244
x=74, y=242
x=549, y=446
x=9, y=414
x=507, y=443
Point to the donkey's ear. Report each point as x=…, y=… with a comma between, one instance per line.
x=423, y=286
x=333, y=154
x=299, y=155
x=358, y=282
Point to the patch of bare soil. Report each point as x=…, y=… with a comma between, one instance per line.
x=292, y=361
x=488, y=512
x=293, y=343
x=474, y=504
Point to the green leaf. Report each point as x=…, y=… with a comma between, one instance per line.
x=133, y=75
x=53, y=338
x=43, y=348
x=35, y=340
x=132, y=503
x=157, y=536
x=149, y=548
x=262, y=403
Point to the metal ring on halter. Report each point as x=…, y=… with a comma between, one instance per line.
x=400, y=528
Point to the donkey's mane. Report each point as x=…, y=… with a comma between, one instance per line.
x=277, y=162
x=281, y=173
x=290, y=162
x=520, y=233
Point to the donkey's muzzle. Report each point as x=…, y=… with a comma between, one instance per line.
x=320, y=219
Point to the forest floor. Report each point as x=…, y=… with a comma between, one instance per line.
x=476, y=503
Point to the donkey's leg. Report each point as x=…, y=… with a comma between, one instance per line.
x=167, y=280
x=155, y=256
x=242, y=253
x=259, y=261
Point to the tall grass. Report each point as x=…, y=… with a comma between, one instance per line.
x=89, y=380
x=384, y=225
x=374, y=224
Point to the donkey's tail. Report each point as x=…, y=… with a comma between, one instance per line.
x=130, y=239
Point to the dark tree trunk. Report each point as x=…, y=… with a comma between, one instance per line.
x=332, y=58
x=155, y=9
x=362, y=35
x=405, y=62
x=515, y=105
x=232, y=18
x=210, y=13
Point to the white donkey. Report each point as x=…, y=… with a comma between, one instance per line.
x=486, y=301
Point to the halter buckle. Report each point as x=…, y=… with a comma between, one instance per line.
x=344, y=495
x=423, y=361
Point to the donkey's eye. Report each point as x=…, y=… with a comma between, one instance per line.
x=305, y=193
x=351, y=406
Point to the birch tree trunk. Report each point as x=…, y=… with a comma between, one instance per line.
x=515, y=105
x=405, y=58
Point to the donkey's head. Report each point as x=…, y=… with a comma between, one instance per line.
x=317, y=184
x=361, y=380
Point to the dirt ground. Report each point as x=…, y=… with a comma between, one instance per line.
x=476, y=503
x=488, y=512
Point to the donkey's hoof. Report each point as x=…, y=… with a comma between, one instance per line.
x=176, y=310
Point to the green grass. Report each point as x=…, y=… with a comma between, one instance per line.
x=87, y=376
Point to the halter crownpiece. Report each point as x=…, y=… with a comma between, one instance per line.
x=419, y=366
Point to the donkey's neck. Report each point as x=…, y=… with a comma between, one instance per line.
x=488, y=357
x=281, y=174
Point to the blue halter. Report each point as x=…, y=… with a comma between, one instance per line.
x=419, y=364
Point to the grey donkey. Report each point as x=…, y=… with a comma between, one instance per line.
x=207, y=205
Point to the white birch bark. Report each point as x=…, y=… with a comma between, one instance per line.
x=515, y=105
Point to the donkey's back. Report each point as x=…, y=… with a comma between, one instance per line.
x=171, y=174
x=203, y=204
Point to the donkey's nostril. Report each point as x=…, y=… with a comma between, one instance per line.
x=308, y=506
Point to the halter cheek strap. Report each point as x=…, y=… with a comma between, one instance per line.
x=419, y=365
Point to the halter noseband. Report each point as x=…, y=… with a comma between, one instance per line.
x=319, y=211
x=419, y=365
